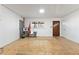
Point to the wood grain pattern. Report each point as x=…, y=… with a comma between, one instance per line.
x=56, y=28
x=42, y=46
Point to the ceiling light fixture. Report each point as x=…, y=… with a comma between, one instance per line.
x=41, y=10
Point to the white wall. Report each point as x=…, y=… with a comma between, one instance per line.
x=47, y=29
x=9, y=26
x=70, y=26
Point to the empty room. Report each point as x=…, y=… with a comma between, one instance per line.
x=39, y=29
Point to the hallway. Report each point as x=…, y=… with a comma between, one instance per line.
x=42, y=46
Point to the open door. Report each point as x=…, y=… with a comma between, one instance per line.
x=21, y=25
x=56, y=28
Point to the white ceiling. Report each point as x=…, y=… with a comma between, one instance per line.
x=51, y=10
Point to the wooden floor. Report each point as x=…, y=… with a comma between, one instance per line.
x=42, y=46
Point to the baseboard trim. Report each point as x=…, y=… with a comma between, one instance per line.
x=70, y=40
x=9, y=43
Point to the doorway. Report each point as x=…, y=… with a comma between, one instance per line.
x=21, y=25
x=56, y=28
